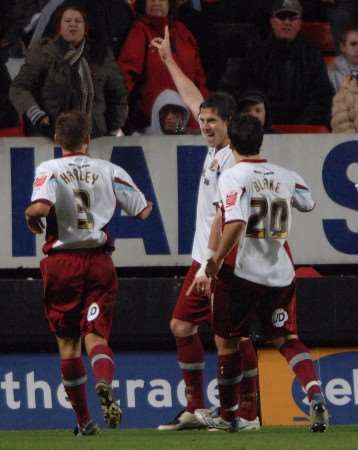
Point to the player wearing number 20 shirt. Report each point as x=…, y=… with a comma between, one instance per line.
x=257, y=199
x=261, y=195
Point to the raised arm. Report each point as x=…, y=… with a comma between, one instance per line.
x=190, y=94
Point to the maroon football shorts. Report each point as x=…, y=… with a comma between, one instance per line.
x=80, y=288
x=238, y=301
x=194, y=307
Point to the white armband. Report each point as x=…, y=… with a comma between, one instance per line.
x=202, y=270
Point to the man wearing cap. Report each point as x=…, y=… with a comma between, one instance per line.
x=289, y=71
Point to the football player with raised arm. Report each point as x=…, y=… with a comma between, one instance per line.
x=193, y=308
x=77, y=196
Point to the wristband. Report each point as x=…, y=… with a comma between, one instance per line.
x=202, y=271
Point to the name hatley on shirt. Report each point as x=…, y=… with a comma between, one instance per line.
x=77, y=174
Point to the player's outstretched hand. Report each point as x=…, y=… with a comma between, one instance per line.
x=35, y=224
x=163, y=45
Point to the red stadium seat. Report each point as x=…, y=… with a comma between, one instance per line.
x=15, y=131
x=300, y=129
x=319, y=35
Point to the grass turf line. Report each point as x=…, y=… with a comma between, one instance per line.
x=269, y=438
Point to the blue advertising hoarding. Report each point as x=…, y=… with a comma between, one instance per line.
x=147, y=385
x=168, y=170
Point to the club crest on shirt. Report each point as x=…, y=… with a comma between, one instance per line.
x=40, y=181
x=231, y=198
x=93, y=312
x=214, y=166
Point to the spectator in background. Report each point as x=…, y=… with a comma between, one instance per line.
x=254, y=103
x=169, y=115
x=291, y=73
x=346, y=63
x=64, y=74
x=141, y=66
x=109, y=21
x=345, y=107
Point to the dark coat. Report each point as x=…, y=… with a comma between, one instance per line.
x=294, y=77
x=51, y=83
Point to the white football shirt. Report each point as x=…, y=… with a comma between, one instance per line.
x=84, y=192
x=215, y=163
x=262, y=195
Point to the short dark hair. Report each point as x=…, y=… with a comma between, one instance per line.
x=246, y=134
x=347, y=29
x=72, y=129
x=223, y=103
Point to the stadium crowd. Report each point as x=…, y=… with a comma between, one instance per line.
x=220, y=45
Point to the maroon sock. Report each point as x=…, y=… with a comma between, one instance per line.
x=191, y=361
x=74, y=380
x=229, y=377
x=248, y=385
x=300, y=361
x=102, y=363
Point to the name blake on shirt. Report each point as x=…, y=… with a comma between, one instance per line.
x=267, y=184
x=79, y=175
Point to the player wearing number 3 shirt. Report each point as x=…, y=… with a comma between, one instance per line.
x=257, y=199
x=78, y=195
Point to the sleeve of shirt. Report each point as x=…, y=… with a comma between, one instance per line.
x=217, y=197
x=129, y=197
x=234, y=199
x=44, y=186
x=302, y=196
x=226, y=163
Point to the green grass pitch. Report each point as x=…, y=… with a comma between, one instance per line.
x=269, y=438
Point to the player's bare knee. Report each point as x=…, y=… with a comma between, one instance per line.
x=68, y=347
x=93, y=339
x=181, y=328
x=226, y=346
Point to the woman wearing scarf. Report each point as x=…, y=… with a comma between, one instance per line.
x=68, y=73
x=145, y=74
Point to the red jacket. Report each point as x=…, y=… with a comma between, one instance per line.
x=143, y=69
